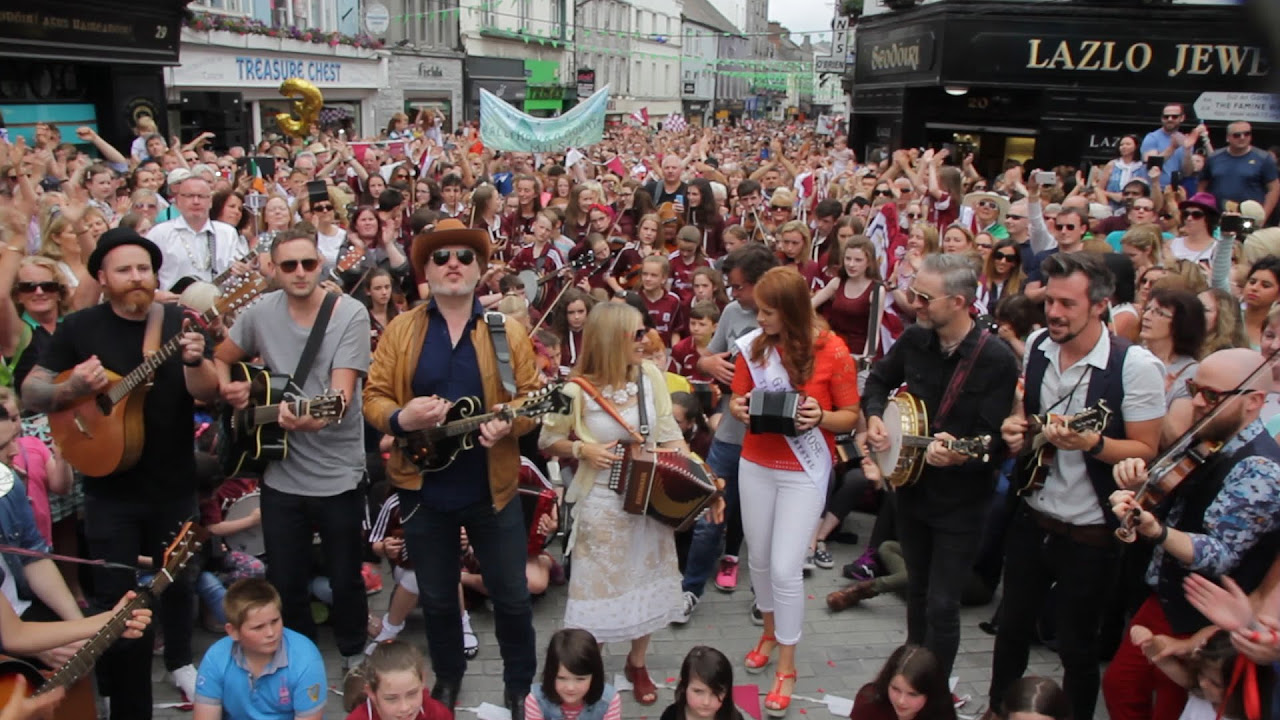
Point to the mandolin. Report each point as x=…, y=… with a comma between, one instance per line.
x=74, y=675
x=1039, y=458
x=103, y=433
x=435, y=448
x=254, y=436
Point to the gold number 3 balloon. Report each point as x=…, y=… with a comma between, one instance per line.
x=307, y=107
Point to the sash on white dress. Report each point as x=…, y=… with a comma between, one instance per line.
x=810, y=448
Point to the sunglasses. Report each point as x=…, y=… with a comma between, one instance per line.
x=1196, y=214
x=1012, y=216
x=1214, y=396
x=883, y=193
x=915, y=296
x=308, y=264
x=1067, y=226
x=49, y=287
x=1132, y=194
x=913, y=216
x=322, y=207
x=984, y=246
x=640, y=334
x=1246, y=133
x=1006, y=257
x=465, y=256
x=1166, y=216
x=1144, y=208
x=779, y=207
x=1170, y=117
x=988, y=204
x=145, y=206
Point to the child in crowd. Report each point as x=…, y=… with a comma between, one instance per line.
x=910, y=686
x=703, y=318
x=1036, y=698
x=262, y=670
x=705, y=691
x=395, y=687
x=1207, y=675
x=692, y=422
x=573, y=682
x=217, y=495
x=39, y=465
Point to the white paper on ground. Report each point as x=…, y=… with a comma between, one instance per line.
x=953, y=682
x=839, y=706
x=489, y=711
x=621, y=683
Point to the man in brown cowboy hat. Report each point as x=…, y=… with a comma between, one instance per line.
x=428, y=359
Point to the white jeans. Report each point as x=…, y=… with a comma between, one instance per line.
x=780, y=512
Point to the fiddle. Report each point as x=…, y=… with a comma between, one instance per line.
x=1164, y=476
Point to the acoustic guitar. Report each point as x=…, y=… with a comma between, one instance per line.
x=435, y=448
x=74, y=675
x=254, y=436
x=1035, y=464
x=103, y=433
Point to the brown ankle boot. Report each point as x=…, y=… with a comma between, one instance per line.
x=852, y=595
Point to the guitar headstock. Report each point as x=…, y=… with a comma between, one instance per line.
x=324, y=407
x=349, y=259
x=188, y=541
x=1092, y=419
x=240, y=292
x=541, y=402
x=978, y=446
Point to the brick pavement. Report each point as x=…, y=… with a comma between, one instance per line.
x=838, y=654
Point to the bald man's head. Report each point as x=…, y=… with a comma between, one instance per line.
x=1233, y=365
x=1077, y=201
x=1223, y=376
x=672, y=168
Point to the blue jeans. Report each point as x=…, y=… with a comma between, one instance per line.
x=500, y=543
x=704, y=547
x=211, y=591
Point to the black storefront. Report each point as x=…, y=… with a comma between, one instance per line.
x=84, y=63
x=1058, y=82
x=504, y=77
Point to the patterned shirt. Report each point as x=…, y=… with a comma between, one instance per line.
x=1246, y=508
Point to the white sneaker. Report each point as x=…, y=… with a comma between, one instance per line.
x=690, y=603
x=184, y=678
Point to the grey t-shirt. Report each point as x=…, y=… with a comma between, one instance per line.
x=331, y=461
x=735, y=321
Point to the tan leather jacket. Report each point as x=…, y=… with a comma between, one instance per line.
x=388, y=389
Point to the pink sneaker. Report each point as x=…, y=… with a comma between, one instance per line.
x=372, y=578
x=727, y=578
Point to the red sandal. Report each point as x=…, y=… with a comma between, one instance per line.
x=756, y=660
x=641, y=684
x=777, y=697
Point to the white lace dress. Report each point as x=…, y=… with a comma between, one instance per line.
x=625, y=582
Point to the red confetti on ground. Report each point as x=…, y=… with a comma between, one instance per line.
x=810, y=597
x=821, y=690
x=803, y=711
x=831, y=663
x=671, y=679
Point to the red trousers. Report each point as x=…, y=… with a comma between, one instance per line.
x=1132, y=687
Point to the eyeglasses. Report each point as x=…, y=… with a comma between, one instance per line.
x=1214, y=396
x=1006, y=257
x=308, y=265
x=915, y=296
x=322, y=207
x=1067, y=226
x=1193, y=214
x=465, y=256
x=1158, y=311
x=1012, y=216
x=641, y=334
x=1246, y=133
x=988, y=204
x=48, y=287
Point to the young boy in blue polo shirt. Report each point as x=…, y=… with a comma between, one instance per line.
x=261, y=671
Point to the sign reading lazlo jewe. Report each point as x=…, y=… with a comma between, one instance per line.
x=1075, y=53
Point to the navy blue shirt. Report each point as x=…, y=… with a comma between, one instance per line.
x=451, y=372
x=1033, y=272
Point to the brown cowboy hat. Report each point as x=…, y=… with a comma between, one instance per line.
x=445, y=233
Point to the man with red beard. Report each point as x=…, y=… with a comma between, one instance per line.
x=139, y=507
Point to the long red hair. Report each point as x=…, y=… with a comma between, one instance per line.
x=784, y=290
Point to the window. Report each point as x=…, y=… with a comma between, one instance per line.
x=523, y=7
x=230, y=7
x=638, y=86
x=557, y=19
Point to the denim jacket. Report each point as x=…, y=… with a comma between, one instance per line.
x=18, y=528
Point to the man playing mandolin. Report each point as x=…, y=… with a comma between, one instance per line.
x=965, y=377
x=1063, y=530
x=134, y=507
x=429, y=358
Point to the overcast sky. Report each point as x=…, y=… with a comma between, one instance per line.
x=803, y=15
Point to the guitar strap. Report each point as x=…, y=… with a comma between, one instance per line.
x=308, y=357
x=957, y=380
x=155, y=326
x=498, y=334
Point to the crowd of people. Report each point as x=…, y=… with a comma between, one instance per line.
x=337, y=352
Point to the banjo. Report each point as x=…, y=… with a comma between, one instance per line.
x=907, y=421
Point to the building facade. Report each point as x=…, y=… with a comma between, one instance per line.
x=425, y=68
x=521, y=51
x=705, y=61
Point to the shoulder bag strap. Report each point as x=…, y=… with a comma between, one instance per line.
x=608, y=407
x=313, y=342
x=957, y=380
x=873, y=324
x=155, y=326
x=498, y=334
x=640, y=405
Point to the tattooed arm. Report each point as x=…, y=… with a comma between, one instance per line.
x=41, y=393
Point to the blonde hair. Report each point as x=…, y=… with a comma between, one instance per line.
x=49, y=232
x=45, y=263
x=929, y=233
x=608, y=339
x=798, y=226
x=146, y=125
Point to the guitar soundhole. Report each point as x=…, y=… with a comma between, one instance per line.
x=103, y=402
